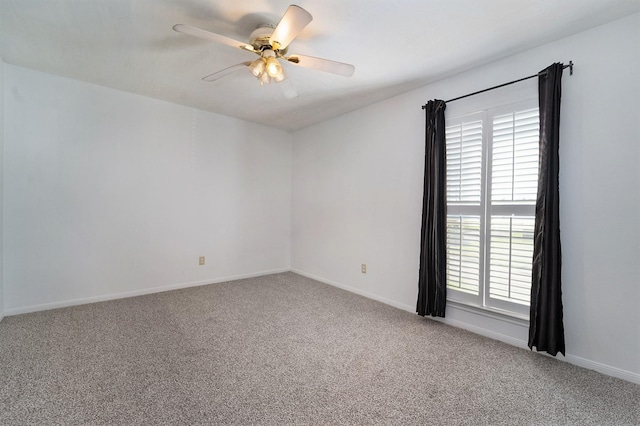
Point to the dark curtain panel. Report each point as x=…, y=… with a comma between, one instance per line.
x=432, y=284
x=546, y=331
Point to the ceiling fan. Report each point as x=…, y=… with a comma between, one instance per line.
x=271, y=43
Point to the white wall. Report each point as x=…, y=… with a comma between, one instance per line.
x=357, y=194
x=1, y=185
x=111, y=194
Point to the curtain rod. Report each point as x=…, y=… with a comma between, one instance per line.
x=570, y=66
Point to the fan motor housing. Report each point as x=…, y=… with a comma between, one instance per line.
x=259, y=38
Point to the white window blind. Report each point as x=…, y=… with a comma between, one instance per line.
x=464, y=139
x=514, y=169
x=510, y=260
x=463, y=253
x=492, y=179
x=464, y=162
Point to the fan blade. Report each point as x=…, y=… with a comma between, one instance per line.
x=288, y=89
x=207, y=35
x=219, y=74
x=320, y=64
x=293, y=21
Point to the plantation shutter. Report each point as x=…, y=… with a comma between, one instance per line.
x=464, y=163
x=464, y=201
x=514, y=168
x=514, y=184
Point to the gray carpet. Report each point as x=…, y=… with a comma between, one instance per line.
x=283, y=349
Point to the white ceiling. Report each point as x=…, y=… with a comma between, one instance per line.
x=395, y=46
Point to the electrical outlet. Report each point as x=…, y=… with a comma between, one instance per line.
x=364, y=268
x=201, y=261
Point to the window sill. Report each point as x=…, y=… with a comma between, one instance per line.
x=498, y=314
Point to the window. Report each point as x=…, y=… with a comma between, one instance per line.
x=492, y=182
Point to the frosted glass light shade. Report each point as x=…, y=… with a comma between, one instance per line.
x=257, y=67
x=274, y=69
x=265, y=79
x=278, y=78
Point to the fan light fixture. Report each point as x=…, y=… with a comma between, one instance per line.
x=267, y=68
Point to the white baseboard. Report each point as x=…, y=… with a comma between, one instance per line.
x=619, y=373
x=571, y=359
x=483, y=332
x=133, y=293
x=366, y=294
